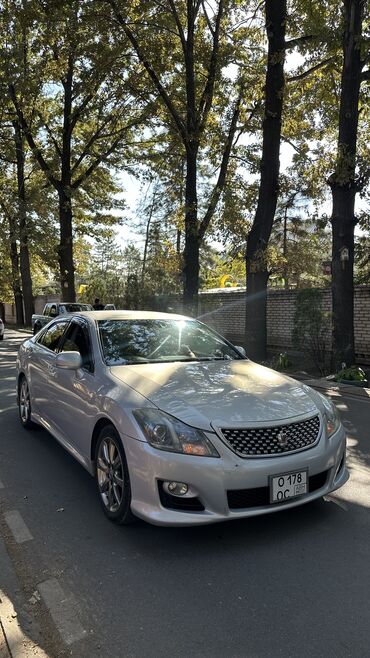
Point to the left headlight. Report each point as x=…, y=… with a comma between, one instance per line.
x=167, y=433
x=331, y=415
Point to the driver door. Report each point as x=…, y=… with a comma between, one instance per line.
x=77, y=391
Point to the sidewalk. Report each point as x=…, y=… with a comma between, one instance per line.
x=19, y=634
x=327, y=385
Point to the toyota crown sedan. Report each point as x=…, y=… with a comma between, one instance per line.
x=176, y=425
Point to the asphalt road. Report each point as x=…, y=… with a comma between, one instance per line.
x=294, y=583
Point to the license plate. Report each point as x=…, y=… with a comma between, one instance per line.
x=288, y=485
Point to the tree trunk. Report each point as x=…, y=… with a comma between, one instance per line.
x=191, y=250
x=65, y=248
x=258, y=238
x=24, y=257
x=342, y=276
x=147, y=235
x=343, y=187
x=16, y=283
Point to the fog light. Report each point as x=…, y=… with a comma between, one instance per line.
x=177, y=488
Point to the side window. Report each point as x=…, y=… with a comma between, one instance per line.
x=77, y=339
x=51, y=337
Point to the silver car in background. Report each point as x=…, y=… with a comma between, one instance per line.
x=177, y=426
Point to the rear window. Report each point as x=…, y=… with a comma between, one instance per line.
x=74, y=308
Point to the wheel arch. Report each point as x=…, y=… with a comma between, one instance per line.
x=101, y=423
x=20, y=376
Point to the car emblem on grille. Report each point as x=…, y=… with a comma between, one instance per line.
x=282, y=438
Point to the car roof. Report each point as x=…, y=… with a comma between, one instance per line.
x=130, y=315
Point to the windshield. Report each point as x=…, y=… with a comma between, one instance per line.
x=73, y=308
x=155, y=341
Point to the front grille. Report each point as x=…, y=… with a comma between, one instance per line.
x=260, y=496
x=265, y=441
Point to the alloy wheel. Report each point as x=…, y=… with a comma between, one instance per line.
x=24, y=403
x=110, y=474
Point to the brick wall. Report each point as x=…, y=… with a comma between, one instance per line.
x=225, y=312
x=362, y=323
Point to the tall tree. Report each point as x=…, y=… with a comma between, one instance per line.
x=8, y=227
x=14, y=53
x=24, y=256
x=188, y=86
x=82, y=116
x=345, y=183
x=259, y=235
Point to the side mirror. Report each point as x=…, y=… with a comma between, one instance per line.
x=69, y=360
x=241, y=350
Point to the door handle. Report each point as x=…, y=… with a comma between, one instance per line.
x=51, y=370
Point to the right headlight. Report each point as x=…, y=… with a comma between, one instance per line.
x=167, y=433
x=331, y=416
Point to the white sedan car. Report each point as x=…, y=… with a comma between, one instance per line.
x=175, y=423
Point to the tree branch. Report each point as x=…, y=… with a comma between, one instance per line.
x=293, y=43
x=150, y=70
x=91, y=141
x=31, y=142
x=105, y=155
x=95, y=164
x=178, y=25
x=207, y=19
x=217, y=190
x=78, y=110
x=305, y=74
x=50, y=133
x=207, y=96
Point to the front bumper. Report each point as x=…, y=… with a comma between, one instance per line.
x=210, y=479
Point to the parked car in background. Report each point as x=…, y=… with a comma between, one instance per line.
x=109, y=307
x=176, y=425
x=1, y=329
x=53, y=310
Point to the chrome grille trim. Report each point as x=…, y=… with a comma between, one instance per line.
x=263, y=441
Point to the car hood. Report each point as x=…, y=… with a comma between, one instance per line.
x=218, y=393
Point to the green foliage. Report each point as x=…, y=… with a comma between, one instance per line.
x=282, y=362
x=215, y=266
x=312, y=328
x=354, y=373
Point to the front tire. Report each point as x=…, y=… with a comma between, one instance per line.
x=24, y=405
x=112, y=477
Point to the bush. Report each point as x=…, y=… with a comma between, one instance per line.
x=352, y=374
x=312, y=326
x=282, y=362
